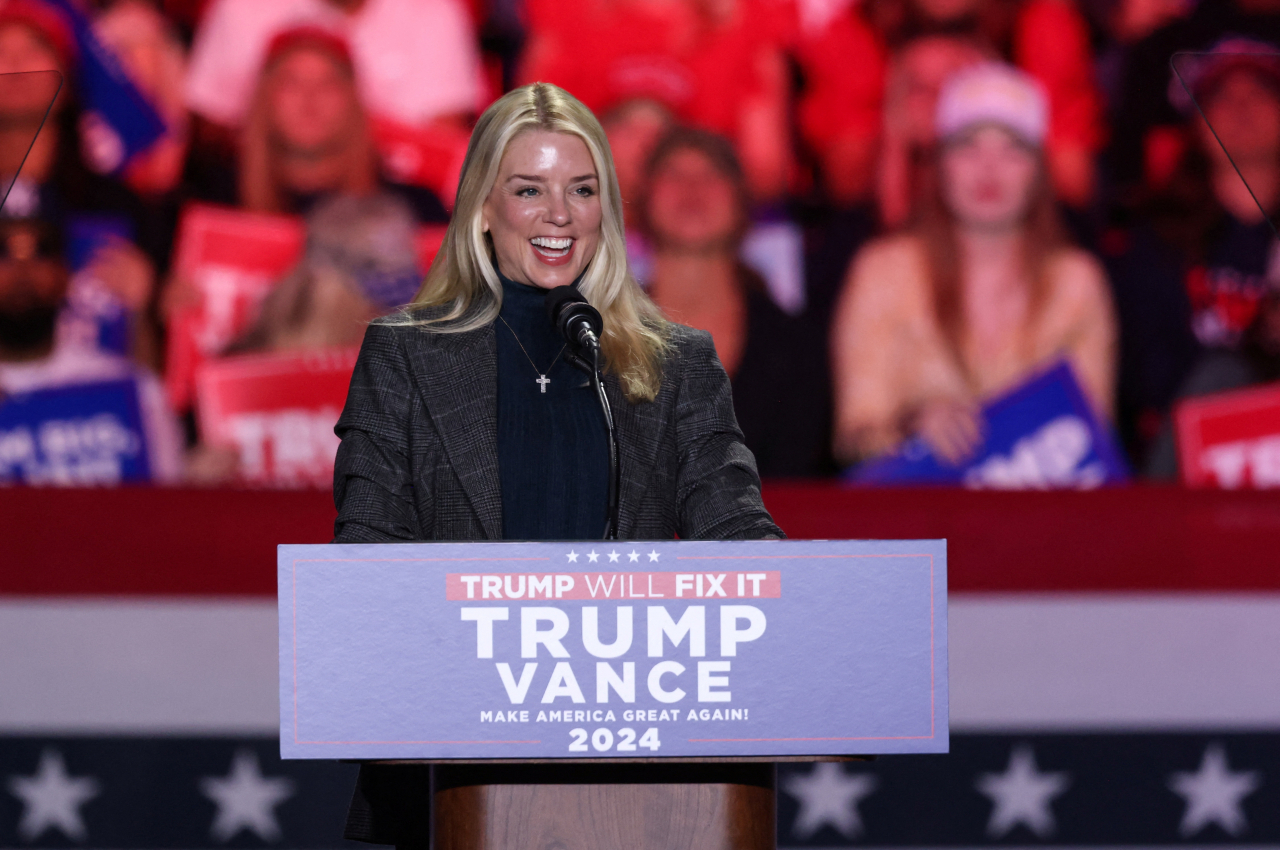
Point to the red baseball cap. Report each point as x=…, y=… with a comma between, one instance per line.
x=1201, y=73
x=48, y=22
x=308, y=35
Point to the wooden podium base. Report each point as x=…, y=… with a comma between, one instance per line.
x=604, y=807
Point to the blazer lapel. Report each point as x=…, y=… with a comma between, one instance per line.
x=457, y=375
x=640, y=429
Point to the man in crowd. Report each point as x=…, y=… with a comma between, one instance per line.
x=33, y=284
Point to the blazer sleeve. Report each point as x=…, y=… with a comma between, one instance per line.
x=372, y=478
x=717, y=485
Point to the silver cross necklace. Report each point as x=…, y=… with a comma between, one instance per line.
x=542, y=379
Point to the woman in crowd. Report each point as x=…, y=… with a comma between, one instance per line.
x=307, y=134
x=465, y=420
x=694, y=212
x=1048, y=39
x=1197, y=287
x=978, y=295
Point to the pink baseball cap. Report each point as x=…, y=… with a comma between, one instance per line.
x=993, y=93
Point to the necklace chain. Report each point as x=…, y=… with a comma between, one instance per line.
x=542, y=380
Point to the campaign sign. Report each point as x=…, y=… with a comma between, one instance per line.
x=1230, y=439
x=229, y=259
x=119, y=121
x=1041, y=435
x=278, y=412
x=93, y=315
x=80, y=435
x=613, y=649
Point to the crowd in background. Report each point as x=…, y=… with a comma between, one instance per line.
x=885, y=211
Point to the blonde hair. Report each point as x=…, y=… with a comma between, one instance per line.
x=464, y=279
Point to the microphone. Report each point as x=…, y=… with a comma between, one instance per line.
x=581, y=325
x=578, y=322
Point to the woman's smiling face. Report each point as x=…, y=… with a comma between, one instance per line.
x=544, y=210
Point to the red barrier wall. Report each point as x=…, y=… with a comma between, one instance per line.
x=159, y=541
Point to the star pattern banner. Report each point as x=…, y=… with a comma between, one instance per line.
x=1108, y=689
x=1077, y=790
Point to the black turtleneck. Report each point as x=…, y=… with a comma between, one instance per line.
x=553, y=449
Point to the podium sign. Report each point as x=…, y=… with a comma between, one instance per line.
x=614, y=650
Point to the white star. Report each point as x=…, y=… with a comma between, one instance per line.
x=573, y=557
x=592, y=556
x=653, y=556
x=1213, y=794
x=246, y=799
x=829, y=795
x=633, y=556
x=51, y=799
x=1022, y=795
x=613, y=557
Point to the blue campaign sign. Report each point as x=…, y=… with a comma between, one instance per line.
x=119, y=120
x=613, y=650
x=80, y=435
x=93, y=315
x=1041, y=434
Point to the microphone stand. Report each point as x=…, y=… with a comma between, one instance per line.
x=581, y=324
x=615, y=466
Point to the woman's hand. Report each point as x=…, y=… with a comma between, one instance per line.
x=952, y=428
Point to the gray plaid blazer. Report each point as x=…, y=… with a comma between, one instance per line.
x=419, y=461
x=419, y=452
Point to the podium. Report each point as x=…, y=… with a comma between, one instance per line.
x=609, y=694
x=639, y=806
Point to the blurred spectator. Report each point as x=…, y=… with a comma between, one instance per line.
x=1197, y=287
x=839, y=108
x=634, y=128
x=361, y=262
x=1050, y=40
x=155, y=60
x=54, y=184
x=417, y=60
x=695, y=214
x=981, y=293
x=1148, y=133
x=717, y=64
x=33, y=282
x=916, y=74
x=307, y=134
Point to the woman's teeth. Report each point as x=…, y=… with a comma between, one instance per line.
x=551, y=246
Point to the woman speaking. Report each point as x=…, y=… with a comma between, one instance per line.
x=467, y=420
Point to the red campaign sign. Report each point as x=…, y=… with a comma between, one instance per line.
x=230, y=259
x=1231, y=439
x=760, y=584
x=278, y=412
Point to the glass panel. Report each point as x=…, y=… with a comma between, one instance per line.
x=1235, y=92
x=26, y=99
